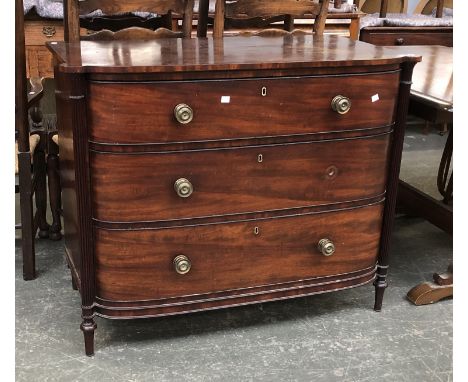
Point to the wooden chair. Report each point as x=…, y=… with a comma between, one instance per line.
x=29, y=145
x=74, y=8
x=254, y=13
x=425, y=7
x=379, y=6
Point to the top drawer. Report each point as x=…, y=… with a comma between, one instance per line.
x=233, y=109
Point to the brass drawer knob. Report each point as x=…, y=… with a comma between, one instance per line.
x=183, y=187
x=183, y=113
x=182, y=264
x=399, y=41
x=327, y=247
x=341, y=104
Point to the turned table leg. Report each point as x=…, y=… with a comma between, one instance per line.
x=380, y=284
x=88, y=326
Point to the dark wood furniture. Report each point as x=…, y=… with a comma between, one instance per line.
x=226, y=171
x=408, y=35
x=29, y=147
x=235, y=25
x=288, y=9
x=432, y=99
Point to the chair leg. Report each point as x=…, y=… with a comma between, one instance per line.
x=54, y=196
x=41, y=193
x=27, y=219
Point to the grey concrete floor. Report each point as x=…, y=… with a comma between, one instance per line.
x=329, y=337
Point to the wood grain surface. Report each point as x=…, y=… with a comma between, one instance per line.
x=129, y=188
x=144, y=112
x=229, y=53
x=137, y=265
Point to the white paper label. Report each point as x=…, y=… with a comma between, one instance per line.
x=375, y=98
x=225, y=99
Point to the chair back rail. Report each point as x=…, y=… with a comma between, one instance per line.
x=425, y=7
x=254, y=9
x=74, y=8
x=377, y=6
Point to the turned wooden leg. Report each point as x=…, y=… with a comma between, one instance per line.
x=88, y=326
x=54, y=196
x=39, y=166
x=380, y=284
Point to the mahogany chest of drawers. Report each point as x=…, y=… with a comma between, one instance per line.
x=204, y=174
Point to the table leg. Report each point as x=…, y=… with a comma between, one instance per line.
x=354, y=29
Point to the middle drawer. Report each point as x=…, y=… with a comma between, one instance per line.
x=190, y=184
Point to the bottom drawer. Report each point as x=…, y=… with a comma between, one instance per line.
x=139, y=264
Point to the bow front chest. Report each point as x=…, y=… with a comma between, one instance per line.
x=205, y=173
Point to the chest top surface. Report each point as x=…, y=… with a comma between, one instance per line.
x=230, y=53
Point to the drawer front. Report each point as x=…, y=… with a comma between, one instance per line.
x=388, y=38
x=144, y=112
x=142, y=187
x=139, y=265
x=40, y=32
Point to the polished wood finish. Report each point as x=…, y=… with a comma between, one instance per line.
x=264, y=193
x=234, y=256
x=237, y=55
x=74, y=8
x=311, y=174
x=248, y=9
x=431, y=292
x=407, y=36
x=433, y=77
x=391, y=195
x=111, y=109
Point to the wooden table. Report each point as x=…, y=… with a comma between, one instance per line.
x=431, y=100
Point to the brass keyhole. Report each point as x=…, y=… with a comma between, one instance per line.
x=260, y=158
x=264, y=91
x=256, y=231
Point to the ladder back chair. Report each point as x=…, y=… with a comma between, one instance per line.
x=29, y=147
x=73, y=9
x=270, y=10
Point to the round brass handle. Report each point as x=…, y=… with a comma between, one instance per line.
x=341, y=104
x=400, y=41
x=182, y=264
x=183, y=113
x=183, y=187
x=326, y=246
